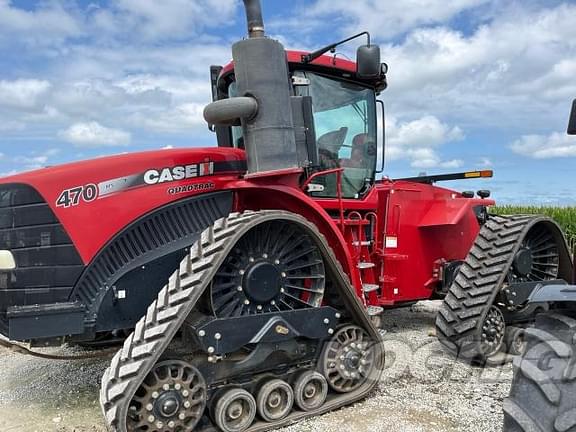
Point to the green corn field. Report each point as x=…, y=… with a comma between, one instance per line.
x=565, y=216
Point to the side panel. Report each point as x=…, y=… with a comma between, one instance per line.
x=125, y=277
x=425, y=228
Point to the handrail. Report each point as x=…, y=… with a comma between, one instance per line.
x=338, y=172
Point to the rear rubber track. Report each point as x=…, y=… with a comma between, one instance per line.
x=460, y=318
x=154, y=332
x=544, y=386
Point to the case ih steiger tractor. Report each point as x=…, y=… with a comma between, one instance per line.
x=250, y=275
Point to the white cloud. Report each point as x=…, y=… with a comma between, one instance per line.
x=391, y=18
x=46, y=23
x=93, y=134
x=418, y=141
x=555, y=145
x=512, y=72
x=22, y=93
x=485, y=162
x=169, y=19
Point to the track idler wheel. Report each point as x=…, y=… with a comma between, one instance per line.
x=493, y=332
x=235, y=411
x=275, y=400
x=310, y=391
x=171, y=398
x=348, y=359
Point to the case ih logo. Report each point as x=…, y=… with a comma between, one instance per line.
x=179, y=172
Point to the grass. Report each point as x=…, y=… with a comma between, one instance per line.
x=565, y=216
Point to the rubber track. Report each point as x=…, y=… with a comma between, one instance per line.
x=542, y=394
x=460, y=318
x=154, y=332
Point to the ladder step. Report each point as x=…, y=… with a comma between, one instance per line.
x=366, y=265
x=374, y=310
x=361, y=243
x=369, y=287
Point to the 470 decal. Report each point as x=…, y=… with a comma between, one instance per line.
x=73, y=196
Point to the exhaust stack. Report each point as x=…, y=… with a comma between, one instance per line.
x=254, y=18
x=261, y=71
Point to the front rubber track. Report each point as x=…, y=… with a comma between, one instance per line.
x=154, y=332
x=543, y=393
x=481, y=276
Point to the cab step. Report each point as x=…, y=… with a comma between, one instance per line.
x=366, y=265
x=367, y=288
x=361, y=243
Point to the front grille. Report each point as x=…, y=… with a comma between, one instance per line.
x=47, y=263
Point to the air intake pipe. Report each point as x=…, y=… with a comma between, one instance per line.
x=261, y=73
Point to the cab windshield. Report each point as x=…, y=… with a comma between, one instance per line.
x=345, y=123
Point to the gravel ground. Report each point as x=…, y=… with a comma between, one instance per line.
x=423, y=389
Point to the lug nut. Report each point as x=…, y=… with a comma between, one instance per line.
x=171, y=424
x=326, y=321
x=151, y=419
x=273, y=302
x=217, y=336
x=239, y=288
x=182, y=416
x=259, y=307
x=251, y=259
x=330, y=331
x=338, y=315
x=211, y=350
x=201, y=333
x=265, y=256
x=149, y=407
x=177, y=386
x=155, y=395
x=185, y=393
x=241, y=272
x=281, y=290
x=166, y=387
x=187, y=404
x=159, y=425
x=246, y=302
x=276, y=262
x=283, y=274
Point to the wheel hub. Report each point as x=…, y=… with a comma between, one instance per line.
x=276, y=266
x=235, y=411
x=523, y=262
x=168, y=404
x=262, y=282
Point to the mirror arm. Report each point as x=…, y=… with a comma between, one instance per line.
x=383, y=119
x=309, y=58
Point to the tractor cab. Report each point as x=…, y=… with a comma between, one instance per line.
x=344, y=121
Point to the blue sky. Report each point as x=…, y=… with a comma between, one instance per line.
x=472, y=83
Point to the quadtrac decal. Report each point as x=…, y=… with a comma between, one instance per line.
x=74, y=196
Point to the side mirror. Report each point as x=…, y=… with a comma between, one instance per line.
x=368, y=61
x=572, y=121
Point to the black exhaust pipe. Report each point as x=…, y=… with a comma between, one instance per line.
x=254, y=18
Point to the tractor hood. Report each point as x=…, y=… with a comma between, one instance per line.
x=96, y=198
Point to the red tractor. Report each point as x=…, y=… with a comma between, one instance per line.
x=249, y=277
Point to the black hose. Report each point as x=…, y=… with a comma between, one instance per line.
x=254, y=18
